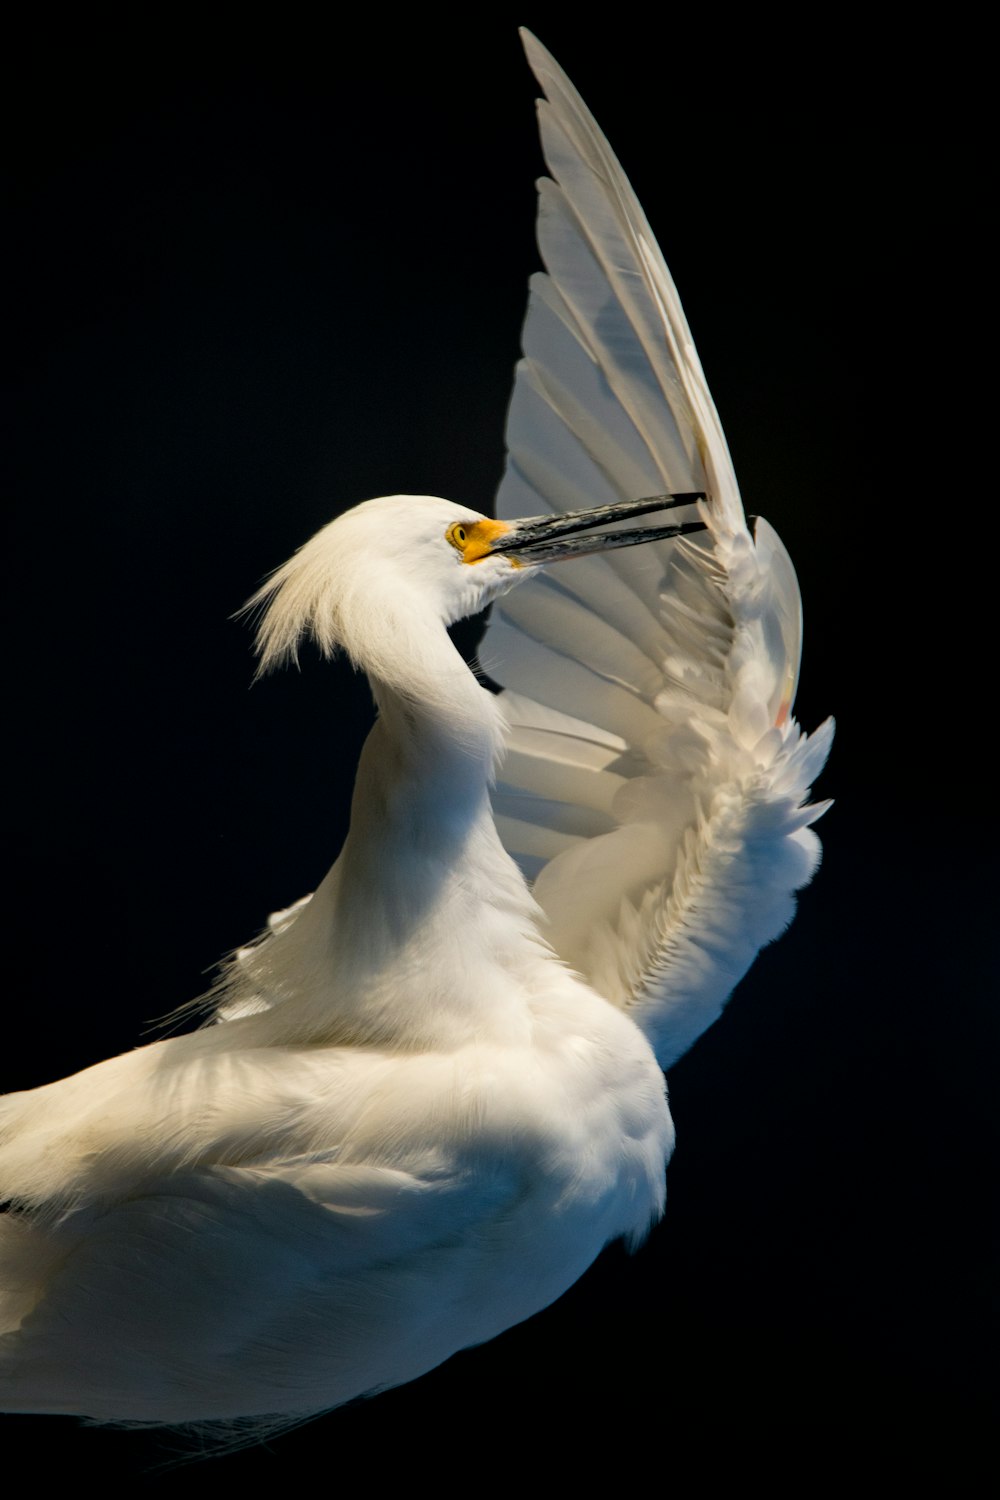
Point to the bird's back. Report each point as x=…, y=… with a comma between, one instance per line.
x=348, y=1220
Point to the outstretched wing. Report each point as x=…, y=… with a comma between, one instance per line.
x=655, y=783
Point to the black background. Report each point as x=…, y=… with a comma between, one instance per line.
x=261, y=276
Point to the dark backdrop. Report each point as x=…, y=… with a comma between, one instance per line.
x=261, y=276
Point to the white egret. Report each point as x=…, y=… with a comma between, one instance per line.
x=433, y=1092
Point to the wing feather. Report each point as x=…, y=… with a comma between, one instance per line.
x=612, y=223
x=546, y=613
x=538, y=763
x=515, y=658
x=655, y=787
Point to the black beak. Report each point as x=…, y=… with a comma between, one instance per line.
x=545, y=539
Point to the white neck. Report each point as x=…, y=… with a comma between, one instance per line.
x=423, y=887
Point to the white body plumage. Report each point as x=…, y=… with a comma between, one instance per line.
x=433, y=1094
x=414, y=1127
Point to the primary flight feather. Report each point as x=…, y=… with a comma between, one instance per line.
x=430, y=1093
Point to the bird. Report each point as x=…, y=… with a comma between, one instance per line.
x=428, y=1095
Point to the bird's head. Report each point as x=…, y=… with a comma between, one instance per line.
x=420, y=555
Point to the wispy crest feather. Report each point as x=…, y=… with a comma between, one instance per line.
x=299, y=599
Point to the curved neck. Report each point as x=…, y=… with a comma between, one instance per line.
x=439, y=733
x=441, y=722
x=423, y=891
x=423, y=778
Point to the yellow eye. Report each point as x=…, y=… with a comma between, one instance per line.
x=458, y=536
x=474, y=538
